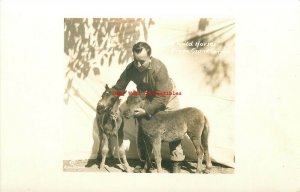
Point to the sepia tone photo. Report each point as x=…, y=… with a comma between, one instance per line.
x=207, y=91
x=149, y=95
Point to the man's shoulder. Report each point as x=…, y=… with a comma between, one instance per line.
x=129, y=66
x=157, y=64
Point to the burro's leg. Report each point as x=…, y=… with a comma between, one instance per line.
x=199, y=151
x=156, y=144
x=122, y=153
x=147, y=152
x=104, y=150
x=204, y=139
x=144, y=150
x=111, y=148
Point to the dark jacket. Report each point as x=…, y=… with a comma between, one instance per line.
x=155, y=78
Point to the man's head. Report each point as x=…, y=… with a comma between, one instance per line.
x=142, y=56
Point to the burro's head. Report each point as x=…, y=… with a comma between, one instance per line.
x=107, y=100
x=133, y=102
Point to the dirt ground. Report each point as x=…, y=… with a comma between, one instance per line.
x=113, y=165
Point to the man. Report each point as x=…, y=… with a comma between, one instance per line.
x=150, y=74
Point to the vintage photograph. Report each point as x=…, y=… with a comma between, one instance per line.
x=149, y=95
x=104, y=95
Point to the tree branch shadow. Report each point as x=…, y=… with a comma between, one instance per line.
x=217, y=70
x=93, y=42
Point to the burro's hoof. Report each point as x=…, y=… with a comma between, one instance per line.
x=207, y=169
x=128, y=170
x=137, y=169
x=102, y=168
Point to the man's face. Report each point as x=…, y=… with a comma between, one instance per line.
x=141, y=60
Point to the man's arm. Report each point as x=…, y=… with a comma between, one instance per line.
x=161, y=85
x=122, y=82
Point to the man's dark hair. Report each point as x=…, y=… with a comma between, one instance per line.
x=138, y=47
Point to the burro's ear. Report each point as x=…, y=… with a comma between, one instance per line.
x=118, y=101
x=143, y=95
x=106, y=86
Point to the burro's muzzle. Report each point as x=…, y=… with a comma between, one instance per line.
x=101, y=107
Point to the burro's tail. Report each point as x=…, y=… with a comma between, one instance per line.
x=204, y=142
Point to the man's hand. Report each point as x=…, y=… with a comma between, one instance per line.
x=139, y=112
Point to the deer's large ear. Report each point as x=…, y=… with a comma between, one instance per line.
x=106, y=86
